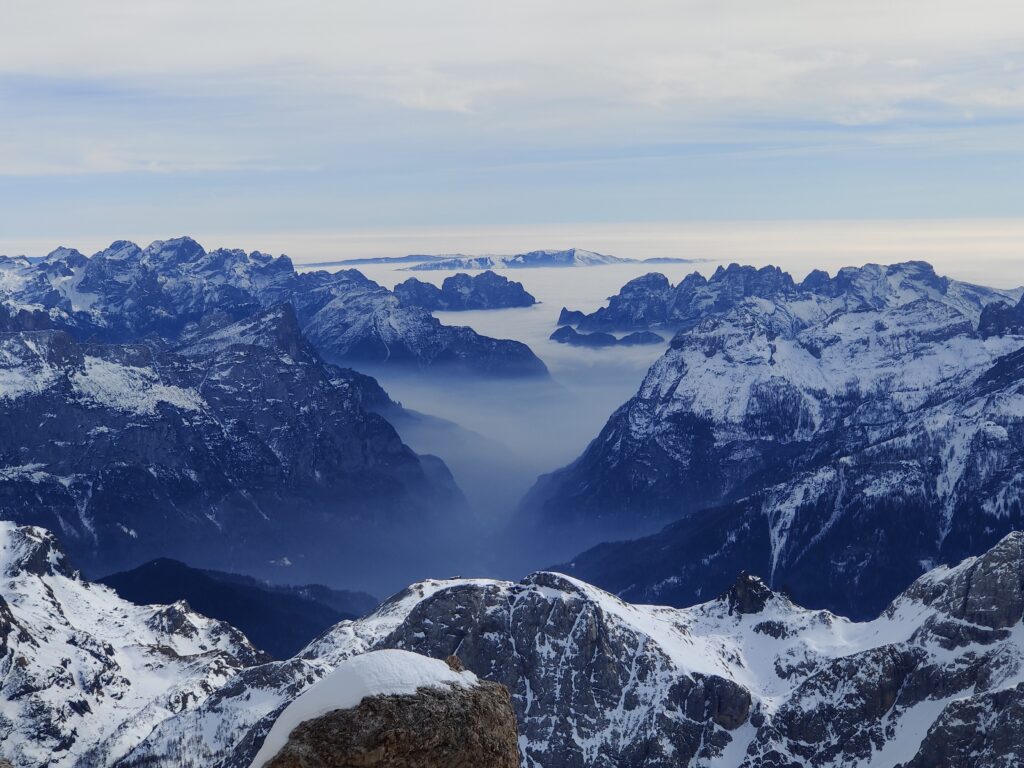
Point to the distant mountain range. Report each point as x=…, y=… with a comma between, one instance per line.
x=573, y=257
x=747, y=679
x=840, y=436
x=125, y=293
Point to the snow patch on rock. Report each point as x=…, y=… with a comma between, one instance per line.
x=379, y=673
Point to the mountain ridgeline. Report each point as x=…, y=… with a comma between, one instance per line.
x=748, y=678
x=837, y=435
x=124, y=293
x=277, y=619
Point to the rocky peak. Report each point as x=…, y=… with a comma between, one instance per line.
x=28, y=549
x=745, y=280
x=879, y=285
x=817, y=281
x=570, y=316
x=67, y=256
x=922, y=272
x=172, y=253
x=652, y=281
x=749, y=594
x=119, y=250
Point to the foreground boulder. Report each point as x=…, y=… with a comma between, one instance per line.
x=396, y=709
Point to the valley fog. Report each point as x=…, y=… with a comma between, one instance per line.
x=532, y=427
x=523, y=429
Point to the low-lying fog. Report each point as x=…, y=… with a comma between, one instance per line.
x=533, y=427
x=524, y=429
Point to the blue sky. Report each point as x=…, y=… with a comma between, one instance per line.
x=162, y=118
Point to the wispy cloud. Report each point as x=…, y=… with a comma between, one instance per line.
x=375, y=105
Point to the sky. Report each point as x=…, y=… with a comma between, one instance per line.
x=348, y=121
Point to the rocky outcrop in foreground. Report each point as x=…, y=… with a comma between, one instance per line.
x=748, y=679
x=438, y=726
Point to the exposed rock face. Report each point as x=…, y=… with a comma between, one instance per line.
x=570, y=316
x=486, y=290
x=748, y=595
x=125, y=292
x=955, y=740
x=1000, y=318
x=567, y=335
x=638, y=338
x=780, y=432
x=238, y=433
x=433, y=728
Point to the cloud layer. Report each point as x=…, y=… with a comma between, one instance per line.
x=307, y=108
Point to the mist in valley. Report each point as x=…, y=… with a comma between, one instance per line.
x=499, y=436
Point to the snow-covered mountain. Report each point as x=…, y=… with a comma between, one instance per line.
x=84, y=675
x=572, y=257
x=651, y=301
x=125, y=292
x=235, y=447
x=747, y=679
x=278, y=619
x=838, y=436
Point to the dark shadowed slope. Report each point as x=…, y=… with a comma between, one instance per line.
x=238, y=449
x=279, y=620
